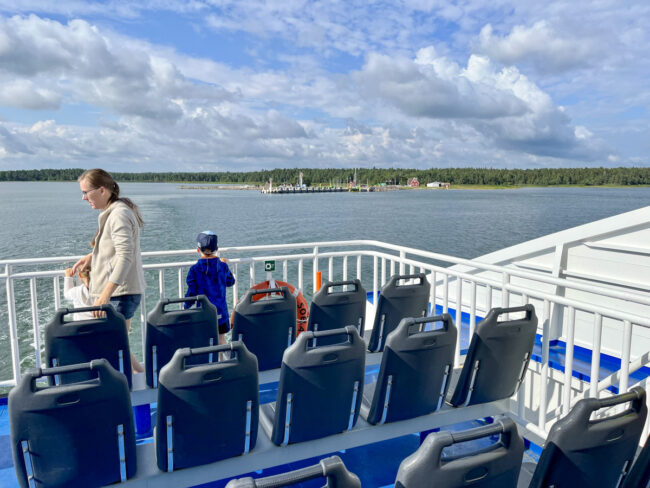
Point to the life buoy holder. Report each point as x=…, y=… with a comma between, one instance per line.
x=302, y=309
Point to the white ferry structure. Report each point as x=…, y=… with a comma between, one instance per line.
x=589, y=288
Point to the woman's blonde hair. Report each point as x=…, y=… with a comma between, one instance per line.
x=98, y=177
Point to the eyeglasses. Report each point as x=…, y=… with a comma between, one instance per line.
x=85, y=193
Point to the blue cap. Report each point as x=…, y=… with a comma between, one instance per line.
x=207, y=241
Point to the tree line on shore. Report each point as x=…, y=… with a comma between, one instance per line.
x=373, y=176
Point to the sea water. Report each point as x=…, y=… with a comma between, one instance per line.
x=40, y=219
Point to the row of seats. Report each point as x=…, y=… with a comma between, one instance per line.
x=578, y=452
x=208, y=399
x=265, y=320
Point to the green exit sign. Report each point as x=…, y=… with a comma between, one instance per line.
x=269, y=265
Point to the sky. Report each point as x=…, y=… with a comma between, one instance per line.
x=242, y=85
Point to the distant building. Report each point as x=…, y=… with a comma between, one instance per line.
x=413, y=182
x=438, y=184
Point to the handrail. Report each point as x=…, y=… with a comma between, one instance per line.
x=551, y=280
x=465, y=275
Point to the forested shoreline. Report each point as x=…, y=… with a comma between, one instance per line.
x=373, y=176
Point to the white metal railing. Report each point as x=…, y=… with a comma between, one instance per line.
x=465, y=282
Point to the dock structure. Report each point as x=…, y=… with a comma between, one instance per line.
x=299, y=188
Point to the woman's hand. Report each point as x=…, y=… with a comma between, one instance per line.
x=104, y=299
x=69, y=273
x=82, y=264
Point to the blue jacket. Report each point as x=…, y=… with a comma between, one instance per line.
x=210, y=277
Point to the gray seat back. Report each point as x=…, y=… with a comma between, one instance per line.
x=402, y=296
x=207, y=412
x=496, y=466
x=331, y=468
x=338, y=304
x=594, y=453
x=415, y=370
x=265, y=320
x=74, y=434
x=497, y=357
x=169, y=330
x=320, y=388
x=81, y=341
x=639, y=475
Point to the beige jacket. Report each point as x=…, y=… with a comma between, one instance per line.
x=116, y=256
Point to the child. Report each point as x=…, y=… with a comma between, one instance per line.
x=210, y=276
x=78, y=295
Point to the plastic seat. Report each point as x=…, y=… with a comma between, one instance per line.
x=206, y=412
x=595, y=453
x=497, y=357
x=402, y=296
x=415, y=370
x=639, y=475
x=331, y=468
x=73, y=435
x=495, y=466
x=320, y=388
x=169, y=330
x=265, y=320
x=334, y=308
x=82, y=341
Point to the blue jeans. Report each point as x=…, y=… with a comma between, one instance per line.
x=126, y=304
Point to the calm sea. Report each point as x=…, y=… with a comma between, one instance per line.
x=50, y=219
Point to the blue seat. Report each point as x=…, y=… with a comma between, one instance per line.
x=209, y=411
x=415, y=370
x=338, y=304
x=265, y=320
x=171, y=329
x=320, y=388
x=497, y=357
x=595, y=453
x=331, y=468
x=73, y=435
x=82, y=341
x=402, y=296
x=494, y=466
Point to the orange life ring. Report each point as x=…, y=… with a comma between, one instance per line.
x=302, y=309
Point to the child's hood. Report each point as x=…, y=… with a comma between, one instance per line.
x=211, y=265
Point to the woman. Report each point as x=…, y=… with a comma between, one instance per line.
x=116, y=274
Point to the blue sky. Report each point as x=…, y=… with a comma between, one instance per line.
x=214, y=85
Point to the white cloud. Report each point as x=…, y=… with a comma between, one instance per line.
x=540, y=44
x=25, y=94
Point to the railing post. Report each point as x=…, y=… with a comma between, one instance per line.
x=13, y=332
x=545, y=354
x=251, y=272
x=625, y=359
x=374, y=284
x=35, y=323
x=161, y=283
x=459, y=317
x=595, y=355
x=181, y=286
x=330, y=269
x=505, y=294
x=472, y=310
x=57, y=293
x=383, y=271
x=235, y=289
x=315, y=270
x=568, y=363
x=445, y=297
x=300, y=274
x=402, y=257
x=345, y=270
x=359, y=267
x=285, y=271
